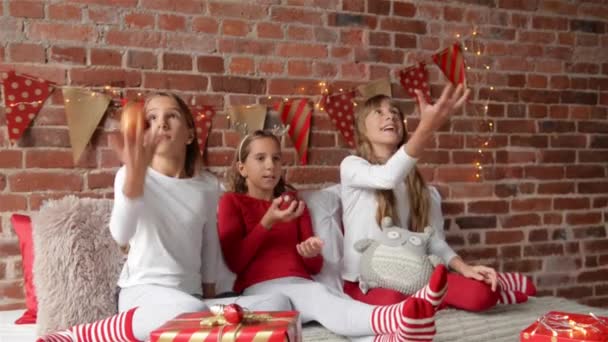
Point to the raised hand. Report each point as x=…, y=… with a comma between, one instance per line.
x=136, y=152
x=310, y=247
x=432, y=116
x=275, y=214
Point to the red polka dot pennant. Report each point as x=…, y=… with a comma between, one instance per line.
x=340, y=108
x=203, y=116
x=23, y=98
x=416, y=77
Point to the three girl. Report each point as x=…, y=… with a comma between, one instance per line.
x=383, y=176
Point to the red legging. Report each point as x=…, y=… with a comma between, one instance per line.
x=463, y=293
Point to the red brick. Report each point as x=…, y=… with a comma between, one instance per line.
x=171, y=22
x=531, y=204
x=302, y=50
x=593, y=276
x=64, y=12
x=523, y=266
x=247, y=47
x=105, y=77
x=101, y=15
x=231, y=27
x=299, y=33
x=176, y=61
x=45, y=137
x=583, y=218
x=210, y=64
x=324, y=70
x=12, y=203
x=269, y=30
x=40, y=181
x=53, y=159
x=242, y=65
x=26, y=9
x=403, y=25
x=550, y=23
x=488, y=207
x=585, y=171
x=238, y=10
x=299, y=68
x=354, y=6
x=139, y=20
x=11, y=159
x=100, y=180
x=74, y=55
x=504, y=237
x=106, y=57
x=205, y=25
x=144, y=39
x=238, y=85
x=404, y=9
x=296, y=15
x=478, y=253
x=453, y=13
x=520, y=220
x=314, y=175
x=27, y=53
x=182, y=6
x=279, y=86
x=175, y=81
x=379, y=7
x=271, y=67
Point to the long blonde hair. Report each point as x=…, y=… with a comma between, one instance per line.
x=417, y=192
x=235, y=182
x=193, y=161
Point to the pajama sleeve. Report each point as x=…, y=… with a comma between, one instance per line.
x=238, y=247
x=125, y=212
x=359, y=173
x=210, y=251
x=438, y=246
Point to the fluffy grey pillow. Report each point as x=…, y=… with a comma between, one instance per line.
x=76, y=262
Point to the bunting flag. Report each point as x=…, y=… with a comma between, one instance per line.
x=203, y=118
x=248, y=118
x=451, y=62
x=340, y=108
x=297, y=114
x=23, y=98
x=416, y=77
x=377, y=87
x=84, y=109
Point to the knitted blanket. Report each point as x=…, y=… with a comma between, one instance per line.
x=501, y=324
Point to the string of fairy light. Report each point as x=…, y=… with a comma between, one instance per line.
x=322, y=89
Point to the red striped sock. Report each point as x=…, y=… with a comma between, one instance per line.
x=417, y=321
x=386, y=338
x=516, y=282
x=385, y=318
x=434, y=292
x=511, y=297
x=118, y=328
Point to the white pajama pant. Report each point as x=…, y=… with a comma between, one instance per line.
x=315, y=302
x=158, y=304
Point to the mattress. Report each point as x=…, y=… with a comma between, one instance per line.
x=501, y=324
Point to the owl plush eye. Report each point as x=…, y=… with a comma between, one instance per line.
x=393, y=235
x=414, y=240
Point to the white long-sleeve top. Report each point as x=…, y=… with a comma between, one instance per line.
x=171, y=229
x=359, y=181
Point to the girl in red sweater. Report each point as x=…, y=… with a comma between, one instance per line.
x=267, y=239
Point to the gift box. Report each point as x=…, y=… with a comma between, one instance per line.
x=557, y=326
x=275, y=326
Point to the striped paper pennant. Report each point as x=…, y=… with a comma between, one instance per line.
x=451, y=62
x=297, y=114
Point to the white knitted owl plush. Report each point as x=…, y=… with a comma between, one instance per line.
x=399, y=261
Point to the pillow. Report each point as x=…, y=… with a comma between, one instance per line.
x=23, y=228
x=76, y=262
x=326, y=213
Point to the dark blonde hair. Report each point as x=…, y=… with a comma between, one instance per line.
x=418, y=194
x=193, y=161
x=235, y=182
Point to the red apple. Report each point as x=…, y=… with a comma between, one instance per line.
x=233, y=313
x=287, y=199
x=132, y=117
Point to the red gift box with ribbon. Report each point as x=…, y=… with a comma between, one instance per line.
x=275, y=326
x=557, y=326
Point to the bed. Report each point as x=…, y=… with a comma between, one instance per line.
x=502, y=323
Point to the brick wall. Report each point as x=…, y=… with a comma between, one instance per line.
x=540, y=204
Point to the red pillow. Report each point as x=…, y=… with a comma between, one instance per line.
x=23, y=227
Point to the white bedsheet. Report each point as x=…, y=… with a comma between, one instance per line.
x=11, y=332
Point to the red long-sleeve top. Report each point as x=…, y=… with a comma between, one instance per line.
x=258, y=254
